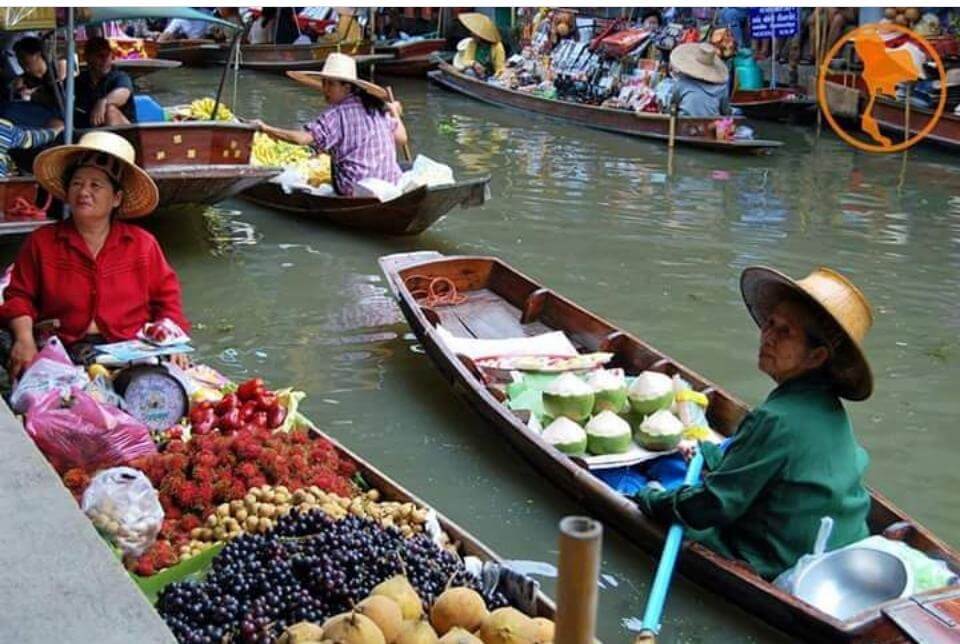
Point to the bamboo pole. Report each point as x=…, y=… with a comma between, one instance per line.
x=816, y=60
x=406, y=146
x=578, y=573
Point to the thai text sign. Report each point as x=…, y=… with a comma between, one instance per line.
x=780, y=22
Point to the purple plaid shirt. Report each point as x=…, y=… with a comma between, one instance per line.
x=361, y=143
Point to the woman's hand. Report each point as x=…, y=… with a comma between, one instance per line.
x=98, y=114
x=181, y=360
x=687, y=449
x=396, y=109
x=21, y=355
x=257, y=123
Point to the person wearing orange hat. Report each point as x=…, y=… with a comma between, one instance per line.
x=481, y=54
x=794, y=458
x=100, y=278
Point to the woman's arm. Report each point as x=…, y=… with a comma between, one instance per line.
x=400, y=130
x=300, y=137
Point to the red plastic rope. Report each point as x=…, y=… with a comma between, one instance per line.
x=436, y=291
x=24, y=209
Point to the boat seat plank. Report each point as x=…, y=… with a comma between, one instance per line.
x=489, y=316
x=450, y=322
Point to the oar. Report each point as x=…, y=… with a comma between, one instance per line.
x=661, y=582
x=406, y=146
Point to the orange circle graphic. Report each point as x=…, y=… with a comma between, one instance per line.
x=883, y=62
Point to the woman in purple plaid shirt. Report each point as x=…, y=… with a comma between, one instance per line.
x=360, y=129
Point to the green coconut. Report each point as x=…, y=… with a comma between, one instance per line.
x=566, y=436
x=650, y=392
x=659, y=431
x=609, y=390
x=568, y=396
x=607, y=433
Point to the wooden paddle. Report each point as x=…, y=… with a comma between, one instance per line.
x=668, y=558
x=406, y=146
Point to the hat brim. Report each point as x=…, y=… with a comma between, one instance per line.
x=140, y=193
x=480, y=26
x=315, y=80
x=849, y=368
x=685, y=62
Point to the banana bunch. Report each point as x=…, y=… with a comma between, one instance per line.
x=268, y=151
x=202, y=108
x=316, y=170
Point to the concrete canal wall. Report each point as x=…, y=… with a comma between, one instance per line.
x=61, y=583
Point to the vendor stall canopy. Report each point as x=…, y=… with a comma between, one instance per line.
x=32, y=18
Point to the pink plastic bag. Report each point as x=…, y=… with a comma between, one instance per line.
x=51, y=371
x=85, y=433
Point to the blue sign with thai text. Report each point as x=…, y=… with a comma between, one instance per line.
x=779, y=22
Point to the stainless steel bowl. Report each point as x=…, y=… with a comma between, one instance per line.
x=846, y=582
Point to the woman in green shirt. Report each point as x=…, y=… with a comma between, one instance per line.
x=794, y=458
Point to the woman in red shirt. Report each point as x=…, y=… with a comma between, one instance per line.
x=101, y=278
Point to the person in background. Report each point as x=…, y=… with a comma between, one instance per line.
x=101, y=278
x=700, y=87
x=651, y=20
x=794, y=458
x=180, y=29
x=229, y=14
x=35, y=84
x=104, y=95
x=481, y=54
x=736, y=19
x=14, y=137
x=261, y=31
x=359, y=129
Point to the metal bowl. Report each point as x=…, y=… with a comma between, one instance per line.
x=849, y=581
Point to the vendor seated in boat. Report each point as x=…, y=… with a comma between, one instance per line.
x=700, y=81
x=793, y=459
x=482, y=54
x=35, y=86
x=99, y=277
x=360, y=129
x=104, y=95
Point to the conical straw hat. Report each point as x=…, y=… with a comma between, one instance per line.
x=699, y=60
x=140, y=194
x=833, y=296
x=480, y=26
x=339, y=67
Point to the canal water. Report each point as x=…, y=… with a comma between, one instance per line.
x=598, y=218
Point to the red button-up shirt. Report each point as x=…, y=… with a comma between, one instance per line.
x=128, y=284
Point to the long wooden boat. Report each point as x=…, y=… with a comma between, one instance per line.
x=689, y=131
x=775, y=104
x=188, y=52
x=891, y=115
x=198, y=162
x=409, y=214
x=139, y=67
x=503, y=303
x=412, y=58
x=282, y=58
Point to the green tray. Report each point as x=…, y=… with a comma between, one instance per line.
x=193, y=568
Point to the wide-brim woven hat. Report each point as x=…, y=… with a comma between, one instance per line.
x=837, y=300
x=701, y=61
x=140, y=193
x=480, y=26
x=339, y=67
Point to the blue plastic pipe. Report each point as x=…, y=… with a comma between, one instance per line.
x=668, y=558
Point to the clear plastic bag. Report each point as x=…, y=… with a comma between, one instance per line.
x=123, y=505
x=82, y=432
x=51, y=371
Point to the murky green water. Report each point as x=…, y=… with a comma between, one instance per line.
x=595, y=217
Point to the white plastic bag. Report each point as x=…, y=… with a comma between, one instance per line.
x=123, y=505
x=52, y=370
x=376, y=188
x=426, y=172
x=788, y=578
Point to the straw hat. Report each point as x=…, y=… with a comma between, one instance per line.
x=834, y=297
x=480, y=26
x=117, y=159
x=342, y=68
x=699, y=60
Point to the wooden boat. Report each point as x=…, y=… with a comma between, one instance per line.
x=15, y=193
x=503, y=303
x=775, y=104
x=198, y=162
x=282, y=58
x=188, y=52
x=409, y=57
x=409, y=214
x=689, y=131
x=891, y=115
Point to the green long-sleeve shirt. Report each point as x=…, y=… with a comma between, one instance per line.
x=793, y=460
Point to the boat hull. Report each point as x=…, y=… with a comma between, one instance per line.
x=282, y=58
x=189, y=53
x=778, y=104
x=412, y=59
x=410, y=214
x=534, y=309
x=694, y=132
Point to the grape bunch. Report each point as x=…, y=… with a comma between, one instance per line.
x=309, y=567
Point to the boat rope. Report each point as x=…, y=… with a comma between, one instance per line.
x=435, y=291
x=24, y=209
